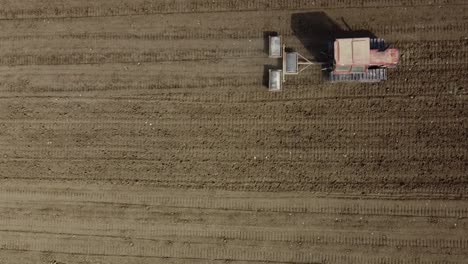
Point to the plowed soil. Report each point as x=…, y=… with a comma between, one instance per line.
x=139, y=131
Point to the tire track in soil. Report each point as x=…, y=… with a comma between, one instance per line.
x=434, y=55
x=50, y=10
x=211, y=242
x=251, y=234
x=372, y=152
x=259, y=202
x=234, y=34
x=415, y=63
x=348, y=189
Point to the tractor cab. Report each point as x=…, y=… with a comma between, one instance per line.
x=351, y=55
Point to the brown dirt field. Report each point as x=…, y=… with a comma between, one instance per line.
x=141, y=132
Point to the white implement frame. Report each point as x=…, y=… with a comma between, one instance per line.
x=292, y=61
x=275, y=50
x=299, y=61
x=274, y=80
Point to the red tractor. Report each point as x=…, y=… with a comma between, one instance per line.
x=354, y=60
x=362, y=59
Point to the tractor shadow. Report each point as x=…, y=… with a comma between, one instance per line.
x=317, y=31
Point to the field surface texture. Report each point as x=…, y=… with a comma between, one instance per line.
x=136, y=131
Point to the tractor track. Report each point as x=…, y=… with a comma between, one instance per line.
x=197, y=6
x=331, y=189
x=299, y=203
x=411, y=52
x=214, y=254
x=419, y=190
x=255, y=234
x=234, y=34
x=237, y=240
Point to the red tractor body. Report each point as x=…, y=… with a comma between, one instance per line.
x=362, y=59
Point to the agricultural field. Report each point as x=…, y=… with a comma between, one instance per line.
x=135, y=131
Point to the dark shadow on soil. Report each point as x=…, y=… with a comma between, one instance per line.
x=316, y=31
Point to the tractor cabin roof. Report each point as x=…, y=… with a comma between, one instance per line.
x=353, y=51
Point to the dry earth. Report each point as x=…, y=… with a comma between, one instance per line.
x=139, y=131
